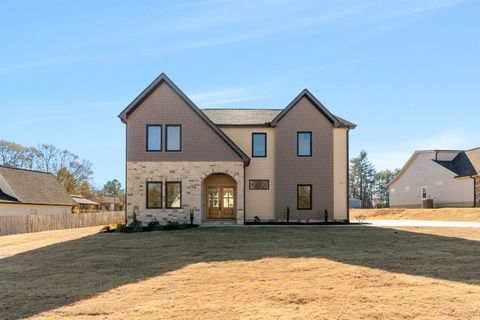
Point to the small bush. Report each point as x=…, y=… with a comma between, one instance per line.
x=360, y=217
x=154, y=225
x=171, y=225
x=121, y=227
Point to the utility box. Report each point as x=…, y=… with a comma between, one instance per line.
x=427, y=203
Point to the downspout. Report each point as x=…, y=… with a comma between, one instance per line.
x=126, y=190
x=348, y=176
x=474, y=191
x=244, y=192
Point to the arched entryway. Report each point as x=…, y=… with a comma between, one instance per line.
x=220, y=196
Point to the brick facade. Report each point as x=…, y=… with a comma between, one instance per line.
x=192, y=175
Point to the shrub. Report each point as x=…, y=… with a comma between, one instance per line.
x=121, y=227
x=360, y=217
x=154, y=225
x=171, y=225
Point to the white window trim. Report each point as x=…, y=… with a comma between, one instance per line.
x=426, y=192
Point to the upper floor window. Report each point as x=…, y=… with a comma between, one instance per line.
x=173, y=137
x=154, y=137
x=259, y=144
x=304, y=144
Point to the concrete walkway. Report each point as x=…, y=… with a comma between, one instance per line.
x=421, y=223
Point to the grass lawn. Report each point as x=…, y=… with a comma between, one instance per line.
x=243, y=273
x=442, y=214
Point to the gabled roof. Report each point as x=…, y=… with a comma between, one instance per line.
x=337, y=122
x=155, y=84
x=33, y=187
x=465, y=164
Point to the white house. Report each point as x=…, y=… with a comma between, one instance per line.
x=27, y=192
x=449, y=177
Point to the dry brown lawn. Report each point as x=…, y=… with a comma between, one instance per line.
x=243, y=273
x=441, y=214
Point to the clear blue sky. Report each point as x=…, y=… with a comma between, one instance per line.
x=407, y=72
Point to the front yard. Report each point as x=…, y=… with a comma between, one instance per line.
x=243, y=273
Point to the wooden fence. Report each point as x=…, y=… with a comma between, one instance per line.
x=37, y=223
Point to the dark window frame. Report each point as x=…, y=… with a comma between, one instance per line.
x=250, y=187
x=311, y=196
x=253, y=149
x=166, y=194
x=161, y=137
x=166, y=137
x=298, y=144
x=161, y=194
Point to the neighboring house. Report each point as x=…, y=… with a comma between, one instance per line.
x=355, y=203
x=449, y=177
x=110, y=203
x=83, y=204
x=233, y=164
x=27, y=192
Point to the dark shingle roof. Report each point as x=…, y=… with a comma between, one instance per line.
x=465, y=164
x=5, y=198
x=35, y=187
x=240, y=117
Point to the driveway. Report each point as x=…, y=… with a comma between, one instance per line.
x=422, y=223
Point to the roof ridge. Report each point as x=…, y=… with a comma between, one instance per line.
x=276, y=109
x=23, y=169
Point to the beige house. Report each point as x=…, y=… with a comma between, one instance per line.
x=233, y=165
x=27, y=192
x=449, y=177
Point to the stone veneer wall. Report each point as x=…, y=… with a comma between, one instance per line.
x=192, y=175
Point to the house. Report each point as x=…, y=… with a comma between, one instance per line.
x=233, y=165
x=110, y=203
x=449, y=177
x=28, y=192
x=83, y=204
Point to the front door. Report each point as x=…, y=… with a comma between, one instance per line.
x=220, y=202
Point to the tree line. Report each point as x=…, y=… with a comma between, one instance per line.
x=369, y=185
x=73, y=172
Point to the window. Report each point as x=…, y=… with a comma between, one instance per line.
x=304, y=197
x=304, y=144
x=259, y=144
x=424, y=192
x=258, y=184
x=154, y=137
x=174, y=137
x=174, y=195
x=154, y=194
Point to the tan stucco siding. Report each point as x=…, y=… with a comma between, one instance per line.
x=442, y=186
x=27, y=209
x=164, y=106
x=340, y=162
x=259, y=203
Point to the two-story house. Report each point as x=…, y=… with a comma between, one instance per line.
x=237, y=165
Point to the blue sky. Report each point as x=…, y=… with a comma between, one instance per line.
x=406, y=71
